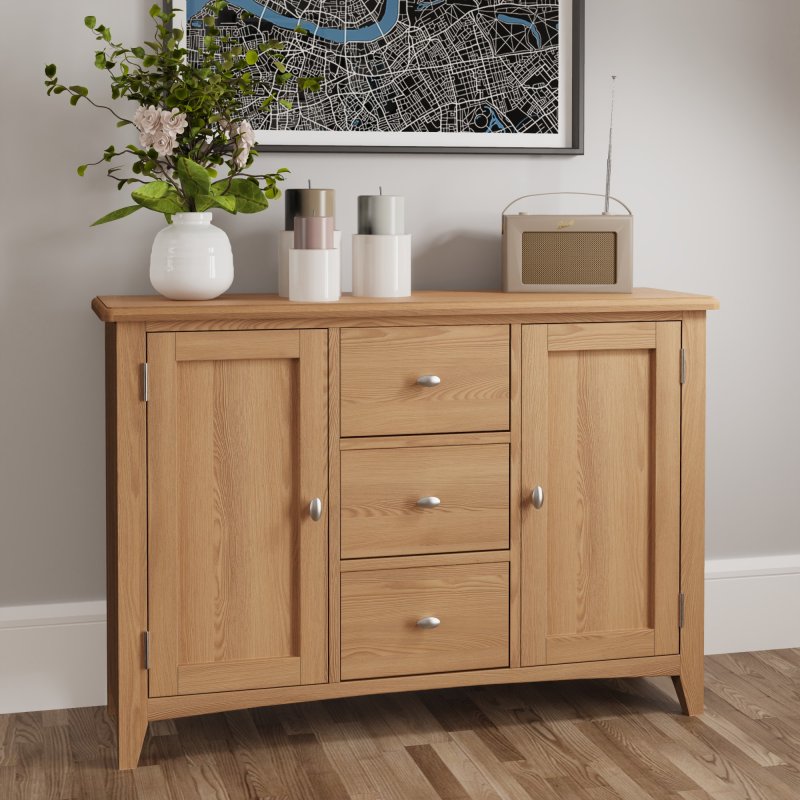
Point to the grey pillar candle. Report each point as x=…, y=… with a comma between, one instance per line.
x=309, y=203
x=313, y=233
x=381, y=214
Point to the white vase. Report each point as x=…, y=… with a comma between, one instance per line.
x=191, y=259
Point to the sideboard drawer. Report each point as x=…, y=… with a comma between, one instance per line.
x=389, y=620
x=419, y=500
x=425, y=380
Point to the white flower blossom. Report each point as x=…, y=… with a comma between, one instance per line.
x=244, y=139
x=244, y=131
x=173, y=122
x=159, y=128
x=148, y=119
x=164, y=144
x=146, y=139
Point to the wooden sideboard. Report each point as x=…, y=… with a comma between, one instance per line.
x=459, y=488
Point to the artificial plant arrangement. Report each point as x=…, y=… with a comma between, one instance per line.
x=188, y=117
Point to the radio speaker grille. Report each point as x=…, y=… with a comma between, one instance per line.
x=569, y=257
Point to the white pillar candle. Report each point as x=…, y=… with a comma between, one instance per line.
x=285, y=246
x=382, y=266
x=381, y=215
x=314, y=276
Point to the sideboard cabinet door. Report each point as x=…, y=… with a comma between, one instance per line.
x=601, y=476
x=237, y=453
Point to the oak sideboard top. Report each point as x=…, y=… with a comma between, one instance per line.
x=241, y=307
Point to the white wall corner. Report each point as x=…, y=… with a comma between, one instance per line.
x=54, y=656
x=752, y=604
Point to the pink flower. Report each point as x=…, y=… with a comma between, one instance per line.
x=146, y=139
x=244, y=139
x=173, y=122
x=244, y=131
x=164, y=144
x=147, y=120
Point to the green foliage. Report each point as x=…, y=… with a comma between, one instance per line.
x=194, y=179
x=249, y=197
x=209, y=88
x=118, y=214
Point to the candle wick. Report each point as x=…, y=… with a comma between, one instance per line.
x=380, y=188
x=309, y=183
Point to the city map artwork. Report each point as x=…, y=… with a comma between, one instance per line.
x=454, y=75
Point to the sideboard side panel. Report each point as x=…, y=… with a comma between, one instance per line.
x=689, y=684
x=126, y=489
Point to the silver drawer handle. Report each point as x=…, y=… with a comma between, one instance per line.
x=429, y=622
x=429, y=502
x=429, y=380
x=537, y=497
x=315, y=509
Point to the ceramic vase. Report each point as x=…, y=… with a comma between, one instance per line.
x=191, y=259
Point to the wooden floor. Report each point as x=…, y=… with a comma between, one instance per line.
x=584, y=740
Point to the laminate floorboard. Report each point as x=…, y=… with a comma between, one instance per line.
x=581, y=740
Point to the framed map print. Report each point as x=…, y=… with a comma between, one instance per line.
x=413, y=75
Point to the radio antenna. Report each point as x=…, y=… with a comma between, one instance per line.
x=610, y=147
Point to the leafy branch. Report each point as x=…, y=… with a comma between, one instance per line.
x=189, y=116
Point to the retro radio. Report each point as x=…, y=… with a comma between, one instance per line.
x=557, y=253
x=563, y=253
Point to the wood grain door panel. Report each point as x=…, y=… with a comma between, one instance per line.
x=237, y=443
x=381, y=489
x=380, y=367
x=601, y=435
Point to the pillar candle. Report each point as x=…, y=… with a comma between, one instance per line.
x=381, y=214
x=309, y=203
x=313, y=233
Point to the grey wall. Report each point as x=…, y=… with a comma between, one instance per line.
x=707, y=134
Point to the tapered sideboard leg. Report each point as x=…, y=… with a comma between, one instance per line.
x=130, y=738
x=690, y=693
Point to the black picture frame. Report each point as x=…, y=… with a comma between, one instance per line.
x=576, y=99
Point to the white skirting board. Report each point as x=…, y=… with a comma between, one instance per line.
x=752, y=604
x=53, y=656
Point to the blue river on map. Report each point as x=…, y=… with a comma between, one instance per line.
x=369, y=33
x=526, y=22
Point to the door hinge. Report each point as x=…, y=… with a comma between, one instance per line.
x=145, y=382
x=683, y=366
x=146, y=640
x=681, y=610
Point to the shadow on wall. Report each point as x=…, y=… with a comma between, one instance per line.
x=474, y=258
x=255, y=257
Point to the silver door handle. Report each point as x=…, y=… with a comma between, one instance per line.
x=429, y=502
x=537, y=497
x=429, y=380
x=315, y=509
x=429, y=622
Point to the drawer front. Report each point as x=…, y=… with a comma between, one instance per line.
x=381, y=610
x=420, y=500
x=389, y=381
